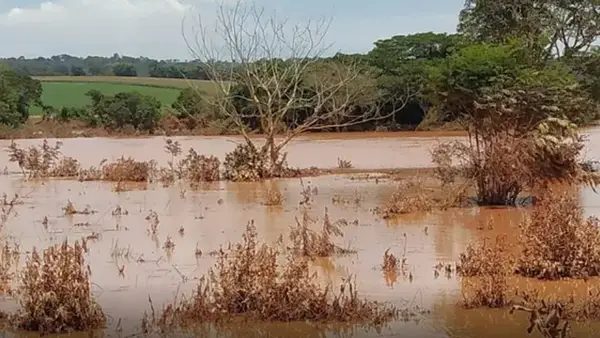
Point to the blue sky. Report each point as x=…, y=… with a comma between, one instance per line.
x=152, y=27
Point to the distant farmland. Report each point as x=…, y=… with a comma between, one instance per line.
x=69, y=91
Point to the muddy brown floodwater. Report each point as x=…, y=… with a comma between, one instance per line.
x=215, y=215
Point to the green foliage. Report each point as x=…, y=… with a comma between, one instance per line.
x=191, y=108
x=124, y=109
x=124, y=69
x=77, y=71
x=547, y=27
x=17, y=93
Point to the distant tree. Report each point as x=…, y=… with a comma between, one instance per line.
x=77, y=71
x=124, y=69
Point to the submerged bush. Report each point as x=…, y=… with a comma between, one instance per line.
x=127, y=169
x=245, y=163
x=35, y=162
x=558, y=242
x=310, y=243
x=249, y=281
x=55, y=292
x=485, y=270
x=199, y=168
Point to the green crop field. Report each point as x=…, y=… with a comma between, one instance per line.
x=69, y=91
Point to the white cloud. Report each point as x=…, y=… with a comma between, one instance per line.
x=95, y=27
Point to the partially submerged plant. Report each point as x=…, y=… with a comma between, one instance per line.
x=153, y=222
x=128, y=170
x=344, y=164
x=249, y=282
x=485, y=270
x=55, y=292
x=198, y=168
x=558, y=242
x=35, y=162
x=310, y=243
x=273, y=198
x=66, y=167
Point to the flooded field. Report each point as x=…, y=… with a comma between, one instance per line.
x=214, y=215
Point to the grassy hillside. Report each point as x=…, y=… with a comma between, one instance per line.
x=69, y=91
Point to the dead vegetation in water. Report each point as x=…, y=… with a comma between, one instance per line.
x=128, y=170
x=414, y=196
x=8, y=258
x=356, y=199
x=55, y=292
x=69, y=209
x=7, y=207
x=153, y=222
x=548, y=320
x=485, y=270
x=344, y=164
x=35, y=162
x=273, y=197
x=558, y=242
x=249, y=281
x=310, y=243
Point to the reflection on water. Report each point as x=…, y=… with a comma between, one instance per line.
x=427, y=239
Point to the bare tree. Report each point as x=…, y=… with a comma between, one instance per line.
x=272, y=78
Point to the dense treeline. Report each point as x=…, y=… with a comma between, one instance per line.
x=435, y=78
x=64, y=65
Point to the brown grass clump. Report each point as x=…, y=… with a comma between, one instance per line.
x=273, y=198
x=55, y=292
x=558, y=242
x=485, y=270
x=128, y=170
x=248, y=282
x=310, y=243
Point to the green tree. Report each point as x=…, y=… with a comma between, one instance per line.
x=549, y=27
x=125, y=109
x=17, y=93
x=124, y=69
x=77, y=71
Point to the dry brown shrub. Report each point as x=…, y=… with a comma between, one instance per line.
x=558, y=242
x=310, y=243
x=273, y=198
x=66, y=167
x=128, y=170
x=55, y=292
x=248, y=282
x=35, y=162
x=93, y=173
x=485, y=270
x=199, y=168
